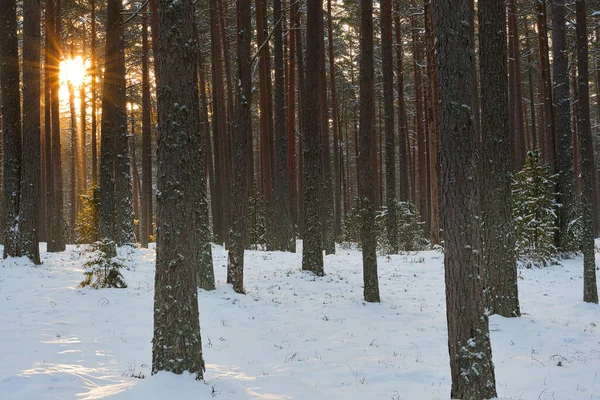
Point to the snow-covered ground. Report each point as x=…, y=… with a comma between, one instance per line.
x=292, y=336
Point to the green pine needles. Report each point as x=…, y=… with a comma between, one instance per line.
x=103, y=271
x=534, y=211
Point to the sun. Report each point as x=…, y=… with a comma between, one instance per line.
x=73, y=71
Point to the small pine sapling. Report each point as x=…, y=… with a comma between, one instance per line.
x=86, y=226
x=103, y=271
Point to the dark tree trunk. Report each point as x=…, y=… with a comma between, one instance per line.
x=404, y=184
x=58, y=241
x=283, y=235
x=177, y=344
x=94, y=74
x=29, y=215
x=337, y=184
x=433, y=128
x=123, y=188
x=219, y=129
x=312, y=249
x=566, y=179
x=242, y=124
x=471, y=364
x=291, y=115
x=146, y=195
x=499, y=258
x=49, y=174
x=81, y=139
x=301, y=119
x=549, y=131
x=73, y=158
x=11, y=125
x=390, y=142
x=366, y=154
x=114, y=119
x=516, y=92
x=590, y=289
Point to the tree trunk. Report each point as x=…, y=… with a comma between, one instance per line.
x=337, y=183
x=11, y=125
x=291, y=115
x=590, y=289
x=312, y=249
x=49, y=174
x=241, y=148
x=365, y=168
x=74, y=157
x=471, y=364
x=390, y=143
x=283, y=235
x=516, y=92
x=566, y=179
x=177, y=344
x=404, y=184
x=58, y=241
x=499, y=258
x=301, y=118
x=146, y=195
x=29, y=215
x=94, y=74
x=114, y=120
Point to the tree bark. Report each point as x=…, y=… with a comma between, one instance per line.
x=29, y=215
x=566, y=178
x=241, y=148
x=499, y=258
x=146, y=191
x=390, y=142
x=471, y=366
x=177, y=344
x=11, y=125
x=365, y=169
x=590, y=289
x=312, y=249
x=404, y=173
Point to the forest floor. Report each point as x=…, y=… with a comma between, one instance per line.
x=292, y=336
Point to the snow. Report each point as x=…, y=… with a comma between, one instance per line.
x=292, y=336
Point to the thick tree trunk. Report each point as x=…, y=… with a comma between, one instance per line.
x=471, y=364
x=291, y=115
x=177, y=344
x=11, y=125
x=29, y=204
x=242, y=123
x=499, y=258
x=365, y=168
x=566, y=179
x=301, y=119
x=312, y=249
x=590, y=289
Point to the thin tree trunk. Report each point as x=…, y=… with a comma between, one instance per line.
x=390, y=142
x=566, y=179
x=365, y=169
x=241, y=148
x=146, y=190
x=49, y=174
x=74, y=157
x=312, y=249
x=29, y=215
x=404, y=184
x=337, y=184
x=94, y=75
x=549, y=131
x=590, y=289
